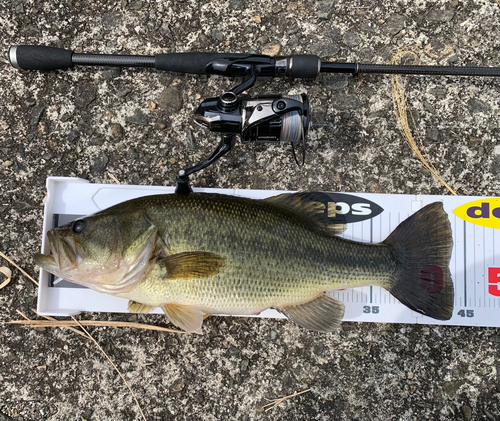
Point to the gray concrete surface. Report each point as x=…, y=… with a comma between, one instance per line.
x=87, y=122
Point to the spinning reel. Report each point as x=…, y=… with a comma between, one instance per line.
x=274, y=119
x=270, y=119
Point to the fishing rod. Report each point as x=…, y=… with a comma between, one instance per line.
x=272, y=119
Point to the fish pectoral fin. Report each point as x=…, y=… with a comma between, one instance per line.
x=197, y=264
x=189, y=318
x=311, y=205
x=323, y=314
x=135, y=307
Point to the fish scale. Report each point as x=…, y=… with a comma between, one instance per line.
x=281, y=269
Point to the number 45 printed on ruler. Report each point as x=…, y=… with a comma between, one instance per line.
x=494, y=281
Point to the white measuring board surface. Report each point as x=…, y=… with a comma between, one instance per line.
x=475, y=261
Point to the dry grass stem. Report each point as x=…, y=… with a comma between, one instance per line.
x=96, y=323
x=23, y=315
x=8, y=273
x=399, y=100
x=113, y=364
x=275, y=402
x=67, y=327
x=22, y=271
x=113, y=178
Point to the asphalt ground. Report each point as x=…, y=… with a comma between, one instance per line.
x=136, y=124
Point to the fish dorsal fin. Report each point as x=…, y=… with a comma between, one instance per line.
x=312, y=206
x=323, y=314
x=135, y=307
x=189, y=318
x=192, y=264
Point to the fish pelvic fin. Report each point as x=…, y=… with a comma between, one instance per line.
x=422, y=244
x=323, y=314
x=135, y=307
x=189, y=265
x=189, y=318
x=310, y=206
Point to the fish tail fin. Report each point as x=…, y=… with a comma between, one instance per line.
x=422, y=245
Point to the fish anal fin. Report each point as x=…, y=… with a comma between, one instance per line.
x=190, y=265
x=323, y=314
x=135, y=307
x=312, y=206
x=189, y=318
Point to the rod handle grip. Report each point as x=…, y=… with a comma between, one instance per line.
x=39, y=57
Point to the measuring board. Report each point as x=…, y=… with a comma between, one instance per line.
x=474, y=266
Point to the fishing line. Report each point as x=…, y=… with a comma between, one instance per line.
x=292, y=127
x=292, y=130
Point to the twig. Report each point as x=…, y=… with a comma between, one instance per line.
x=275, y=402
x=67, y=327
x=97, y=323
x=22, y=271
x=113, y=364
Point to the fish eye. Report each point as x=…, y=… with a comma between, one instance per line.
x=78, y=227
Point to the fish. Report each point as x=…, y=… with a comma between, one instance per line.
x=201, y=254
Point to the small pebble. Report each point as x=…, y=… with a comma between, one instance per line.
x=100, y=164
x=43, y=127
x=466, y=412
x=177, y=385
x=271, y=50
x=117, y=131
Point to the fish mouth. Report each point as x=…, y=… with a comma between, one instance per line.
x=63, y=256
x=45, y=261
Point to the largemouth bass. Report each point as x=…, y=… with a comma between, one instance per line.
x=202, y=253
